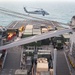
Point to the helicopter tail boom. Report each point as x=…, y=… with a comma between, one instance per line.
x=25, y=10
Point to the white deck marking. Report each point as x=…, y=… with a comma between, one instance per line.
x=15, y=24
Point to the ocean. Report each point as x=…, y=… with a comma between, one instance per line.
x=59, y=11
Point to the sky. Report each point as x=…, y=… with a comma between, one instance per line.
x=38, y=0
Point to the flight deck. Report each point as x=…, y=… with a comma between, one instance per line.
x=13, y=59
x=18, y=24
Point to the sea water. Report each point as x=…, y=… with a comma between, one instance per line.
x=58, y=11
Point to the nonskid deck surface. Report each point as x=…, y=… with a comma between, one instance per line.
x=18, y=24
x=12, y=61
x=62, y=66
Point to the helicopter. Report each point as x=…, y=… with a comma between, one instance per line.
x=41, y=11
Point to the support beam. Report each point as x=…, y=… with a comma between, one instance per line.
x=54, y=61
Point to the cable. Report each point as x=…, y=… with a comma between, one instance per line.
x=12, y=15
x=7, y=10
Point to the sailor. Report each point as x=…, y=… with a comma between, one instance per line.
x=49, y=59
x=35, y=58
x=32, y=63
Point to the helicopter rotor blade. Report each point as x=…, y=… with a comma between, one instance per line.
x=36, y=38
